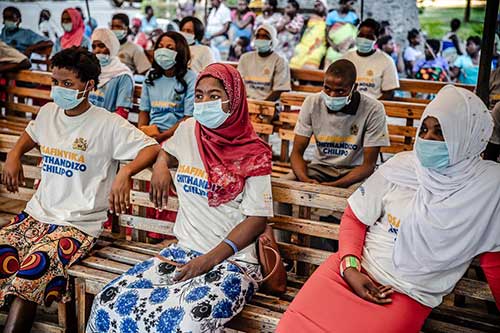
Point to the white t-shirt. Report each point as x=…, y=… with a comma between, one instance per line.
x=198, y=226
x=201, y=57
x=375, y=73
x=80, y=157
x=217, y=18
x=262, y=75
x=383, y=206
x=412, y=54
x=340, y=137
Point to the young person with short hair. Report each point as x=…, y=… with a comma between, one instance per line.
x=81, y=146
x=412, y=53
x=201, y=55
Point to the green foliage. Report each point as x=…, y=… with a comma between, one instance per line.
x=436, y=21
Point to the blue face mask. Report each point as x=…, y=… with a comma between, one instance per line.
x=432, y=154
x=10, y=25
x=67, y=27
x=65, y=98
x=104, y=59
x=189, y=37
x=120, y=34
x=210, y=114
x=364, y=45
x=165, y=58
x=336, y=103
x=262, y=45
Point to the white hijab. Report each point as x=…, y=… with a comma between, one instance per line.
x=115, y=68
x=272, y=32
x=455, y=214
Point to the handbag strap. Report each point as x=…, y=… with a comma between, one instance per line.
x=264, y=279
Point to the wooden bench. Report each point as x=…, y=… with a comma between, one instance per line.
x=114, y=254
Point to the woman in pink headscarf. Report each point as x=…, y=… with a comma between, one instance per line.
x=74, y=29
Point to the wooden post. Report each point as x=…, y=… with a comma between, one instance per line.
x=490, y=21
x=467, y=12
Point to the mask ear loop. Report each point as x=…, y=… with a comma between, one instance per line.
x=350, y=94
x=84, y=90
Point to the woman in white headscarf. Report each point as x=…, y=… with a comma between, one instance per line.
x=265, y=72
x=116, y=84
x=412, y=229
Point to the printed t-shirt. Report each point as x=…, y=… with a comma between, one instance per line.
x=201, y=57
x=21, y=38
x=334, y=17
x=198, y=226
x=383, y=206
x=133, y=56
x=80, y=156
x=341, y=137
x=375, y=73
x=468, y=71
x=217, y=18
x=495, y=113
x=412, y=54
x=165, y=106
x=262, y=75
x=117, y=92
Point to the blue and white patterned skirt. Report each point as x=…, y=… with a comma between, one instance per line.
x=146, y=299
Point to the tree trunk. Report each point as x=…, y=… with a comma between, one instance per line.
x=467, y=12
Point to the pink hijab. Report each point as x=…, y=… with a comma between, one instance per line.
x=75, y=36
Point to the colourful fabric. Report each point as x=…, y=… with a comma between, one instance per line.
x=469, y=72
x=242, y=32
x=232, y=152
x=431, y=70
x=312, y=47
x=342, y=36
x=146, y=299
x=34, y=258
x=335, y=17
x=326, y=303
x=75, y=36
x=287, y=40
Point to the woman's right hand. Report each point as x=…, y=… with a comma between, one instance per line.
x=160, y=185
x=364, y=287
x=12, y=174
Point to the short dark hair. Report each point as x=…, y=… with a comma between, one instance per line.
x=383, y=40
x=435, y=45
x=80, y=61
x=294, y=4
x=344, y=69
x=122, y=17
x=475, y=39
x=455, y=24
x=13, y=10
x=372, y=24
x=148, y=7
x=199, y=28
x=273, y=3
x=413, y=33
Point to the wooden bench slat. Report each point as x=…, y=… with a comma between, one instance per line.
x=24, y=193
x=92, y=274
x=265, y=108
x=402, y=130
x=307, y=227
x=146, y=224
x=18, y=107
x=142, y=199
x=255, y=319
x=475, y=289
x=29, y=92
x=149, y=249
x=105, y=265
x=303, y=254
x=44, y=78
x=123, y=256
x=261, y=128
x=29, y=171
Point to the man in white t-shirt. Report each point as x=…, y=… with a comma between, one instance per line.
x=218, y=23
x=377, y=73
x=81, y=147
x=349, y=129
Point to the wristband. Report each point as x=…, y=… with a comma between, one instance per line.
x=349, y=261
x=231, y=244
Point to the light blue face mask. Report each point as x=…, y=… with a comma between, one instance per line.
x=364, y=45
x=104, y=59
x=120, y=34
x=336, y=103
x=10, y=25
x=432, y=154
x=210, y=114
x=67, y=27
x=189, y=37
x=165, y=58
x=65, y=98
x=262, y=45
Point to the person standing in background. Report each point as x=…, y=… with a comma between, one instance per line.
x=90, y=24
x=242, y=21
x=412, y=53
x=218, y=23
x=148, y=23
x=46, y=26
x=387, y=45
x=452, y=45
x=466, y=67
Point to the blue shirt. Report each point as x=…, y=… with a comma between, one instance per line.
x=334, y=17
x=165, y=106
x=148, y=26
x=115, y=93
x=86, y=43
x=21, y=38
x=468, y=71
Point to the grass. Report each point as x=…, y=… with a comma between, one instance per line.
x=436, y=21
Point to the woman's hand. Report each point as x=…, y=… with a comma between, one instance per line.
x=364, y=287
x=160, y=185
x=119, y=197
x=196, y=267
x=12, y=174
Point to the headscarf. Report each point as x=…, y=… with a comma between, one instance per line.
x=116, y=67
x=455, y=213
x=232, y=152
x=272, y=32
x=75, y=36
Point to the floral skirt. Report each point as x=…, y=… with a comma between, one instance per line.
x=146, y=299
x=35, y=256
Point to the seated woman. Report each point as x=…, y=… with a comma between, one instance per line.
x=116, y=83
x=81, y=146
x=265, y=72
x=243, y=20
x=74, y=32
x=411, y=230
x=224, y=188
x=201, y=55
